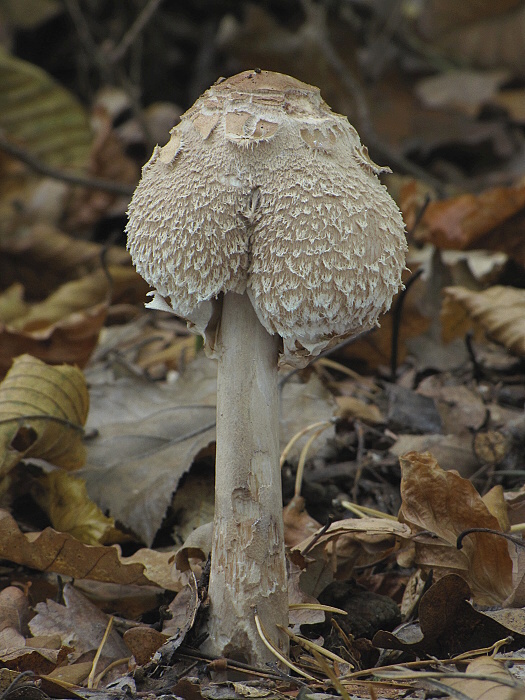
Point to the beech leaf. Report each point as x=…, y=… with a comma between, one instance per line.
x=42, y=115
x=42, y=413
x=498, y=311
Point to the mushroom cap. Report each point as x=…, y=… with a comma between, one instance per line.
x=263, y=189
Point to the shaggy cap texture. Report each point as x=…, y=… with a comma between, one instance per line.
x=263, y=189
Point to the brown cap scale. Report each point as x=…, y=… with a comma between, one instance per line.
x=263, y=223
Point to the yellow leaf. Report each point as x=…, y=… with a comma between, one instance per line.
x=42, y=115
x=71, y=297
x=42, y=413
x=12, y=304
x=496, y=504
x=65, y=499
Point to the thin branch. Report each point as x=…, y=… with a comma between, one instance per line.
x=87, y=39
x=396, y=322
x=515, y=540
x=133, y=32
x=108, y=68
x=94, y=183
x=317, y=16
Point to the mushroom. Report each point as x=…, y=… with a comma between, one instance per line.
x=263, y=223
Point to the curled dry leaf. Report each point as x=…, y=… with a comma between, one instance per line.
x=39, y=660
x=352, y=542
x=298, y=524
x=445, y=504
x=70, y=298
x=70, y=340
x=50, y=550
x=12, y=304
x=42, y=413
x=183, y=610
x=498, y=311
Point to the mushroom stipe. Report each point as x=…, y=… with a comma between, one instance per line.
x=263, y=223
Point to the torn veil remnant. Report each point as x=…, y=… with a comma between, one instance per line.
x=263, y=223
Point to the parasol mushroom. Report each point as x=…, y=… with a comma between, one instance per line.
x=263, y=223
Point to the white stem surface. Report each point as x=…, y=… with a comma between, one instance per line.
x=248, y=567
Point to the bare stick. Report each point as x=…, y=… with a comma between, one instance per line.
x=94, y=183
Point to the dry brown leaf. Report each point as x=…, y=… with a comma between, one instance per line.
x=109, y=161
x=450, y=451
x=496, y=686
x=446, y=504
x=183, y=609
x=72, y=674
x=12, y=304
x=298, y=524
x=71, y=340
x=134, y=468
x=448, y=624
x=513, y=102
x=462, y=221
x=39, y=661
x=50, y=550
x=70, y=298
x=154, y=441
x=498, y=311
x=14, y=610
x=143, y=642
x=80, y=624
x=193, y=503
x=66, y=325
x=42, y=413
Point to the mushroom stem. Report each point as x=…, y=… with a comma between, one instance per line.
x=248, y=567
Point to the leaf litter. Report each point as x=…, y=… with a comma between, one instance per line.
x=389, y=464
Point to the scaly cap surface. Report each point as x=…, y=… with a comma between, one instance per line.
x=263, y=189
